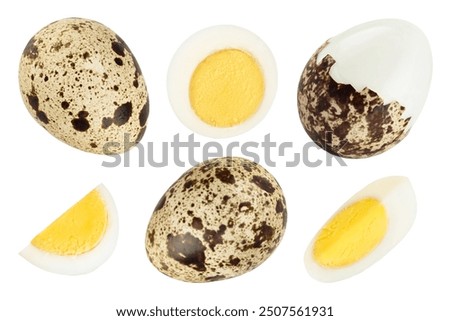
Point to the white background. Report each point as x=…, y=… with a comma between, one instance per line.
x=41, y=177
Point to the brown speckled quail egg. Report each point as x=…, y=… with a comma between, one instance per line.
x=81, y=82
x=362, y=90
x=220, y=219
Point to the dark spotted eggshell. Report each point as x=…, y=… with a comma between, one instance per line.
x=81, y=82
x=363, y=89
x=219, y=220
x=342, y=120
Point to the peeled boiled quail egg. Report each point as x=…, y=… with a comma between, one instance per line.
x=361, y=91
x=79, y=240
x=222, y=81
x=220, y=219
x=81, y=82
x=363, y=230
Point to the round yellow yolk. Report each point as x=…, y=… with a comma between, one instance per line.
x=76, y=231
x=226, y=88
x=351, y=234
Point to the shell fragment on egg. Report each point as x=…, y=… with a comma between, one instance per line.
x=81, y=82
x=362, y=90
x=219, y=220
x=80, y=240
x=363, y=230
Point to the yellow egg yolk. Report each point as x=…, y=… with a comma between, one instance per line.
x=76, y=231
x=226, y=88
x=351, y=234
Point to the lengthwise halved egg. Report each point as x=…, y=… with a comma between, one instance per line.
x=363, y=230
x=79, y=240
x=363, y=89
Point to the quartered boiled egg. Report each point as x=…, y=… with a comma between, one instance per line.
x=222, y=81
x=79, y=240
x=363, y=230
x=362, y=90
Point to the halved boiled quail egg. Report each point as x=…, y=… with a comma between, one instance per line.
x=363, y=230
x=222, y=81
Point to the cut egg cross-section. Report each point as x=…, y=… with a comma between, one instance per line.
x=363, y=230
x=222, y=81
x=80, y=240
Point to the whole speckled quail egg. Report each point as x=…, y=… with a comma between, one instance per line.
x=220, y=219
x=82, y=83
x=361, y=91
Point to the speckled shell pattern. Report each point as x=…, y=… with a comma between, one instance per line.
x=219, y=220
x=342, y=120
x=81, y=82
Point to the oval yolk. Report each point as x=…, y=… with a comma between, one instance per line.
x=226, y=88
x=76, y=231
x=351, y=234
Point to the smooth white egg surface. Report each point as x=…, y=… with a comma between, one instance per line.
x=73, y=244
x=369, y=54
x=363, y=230
x=222, y=81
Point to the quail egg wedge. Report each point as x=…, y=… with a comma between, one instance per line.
x=363, y=230
x=80, y=240
x=222, y=81
x=81, y=82
x=220, y=219
x=362, y=90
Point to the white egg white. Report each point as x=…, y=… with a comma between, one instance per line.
x=86, y=262
x=398, y=197
x=389, y=56
x=193, y=51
